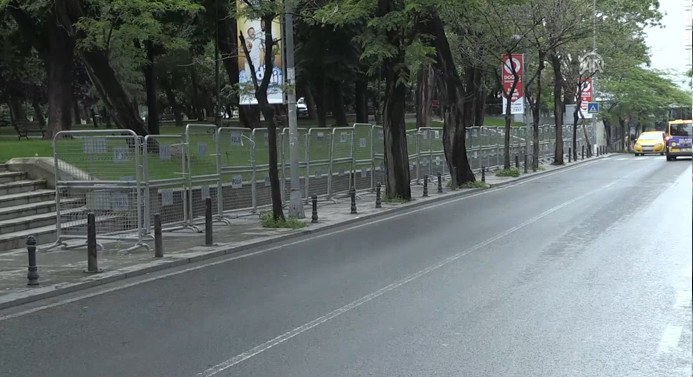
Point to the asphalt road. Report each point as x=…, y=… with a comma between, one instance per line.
x=582, y=272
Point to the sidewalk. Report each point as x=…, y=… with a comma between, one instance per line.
x=61, y=271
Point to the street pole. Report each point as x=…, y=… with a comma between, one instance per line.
x=217, y=115
x=594, y=78
x=528, y=112
x=295, y=200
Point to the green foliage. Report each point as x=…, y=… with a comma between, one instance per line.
x=475, y=184
x=268, y=221
x=512, y=172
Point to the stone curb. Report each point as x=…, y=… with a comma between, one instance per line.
x=36, y=294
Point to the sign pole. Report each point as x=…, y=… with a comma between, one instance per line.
x=295, y=199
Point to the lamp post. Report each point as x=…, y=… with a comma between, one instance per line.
x=295, y=202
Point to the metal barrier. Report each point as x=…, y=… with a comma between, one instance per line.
x=363, y=156
x=413, y=154
x=378, y=155
x=341, y=160
x=318, y=141
x=165, y=178
x=236, y=162
x=203, y=176
x=431, y=150
x=99, y=172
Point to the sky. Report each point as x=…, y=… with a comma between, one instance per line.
x=668, y=44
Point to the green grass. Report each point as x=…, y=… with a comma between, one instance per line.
x=268, y=221
x=475, y=184
x=11, y=148
x=512, y=172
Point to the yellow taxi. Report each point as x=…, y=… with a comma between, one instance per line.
x=650, y=142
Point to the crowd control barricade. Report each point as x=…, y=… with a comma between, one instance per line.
x=318, y=141
x=378, y=155
x=99, y=172
x=236, y=162
x=202, y=172
x=431, y=151
x=413, y=139
x=341, y=160
x=165, y=178
x=363, y=156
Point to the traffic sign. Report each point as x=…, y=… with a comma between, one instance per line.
x=593, y=108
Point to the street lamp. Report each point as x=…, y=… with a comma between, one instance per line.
x=295, y=199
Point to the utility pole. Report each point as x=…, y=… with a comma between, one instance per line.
x=528, y=111
x=217, y=110
x=594, y=78
x=295, y=199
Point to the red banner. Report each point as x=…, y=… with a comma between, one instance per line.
x=517, y=97
x=586, y=96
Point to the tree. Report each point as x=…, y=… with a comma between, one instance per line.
x=266, y=11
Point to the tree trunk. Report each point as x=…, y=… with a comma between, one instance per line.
x=94, y=120
x=394, y=127
x=17, y=109
x=320, y=101
x=310, y=102
x=535, y=106
x=268, y=113
x=150, y=85
x=558, y=108
x=576, y=119
x=361, y=100
x=338, y=104
x=424, y=96
x=453, y=105
x=75, y=109
x=59, y=74
x=38, y=113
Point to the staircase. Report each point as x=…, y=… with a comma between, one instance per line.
x=27, y=207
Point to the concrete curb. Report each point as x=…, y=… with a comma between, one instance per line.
x=44, y=292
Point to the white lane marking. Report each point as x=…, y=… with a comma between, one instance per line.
x=277, y=247
x=683, y=299
x=670, y=339
x=355, y=304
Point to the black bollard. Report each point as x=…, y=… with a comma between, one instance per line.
x=570, y=155
x=158, y=246
x=525, y=164
x=33, y=275
x=314, y=217
x=583, y=152
x=517, y=162
x=92, y=262
x=440, y=183
x=209, y=240
x=483, y=174
x=352, y=194
x=425, y=186
x=378, y=202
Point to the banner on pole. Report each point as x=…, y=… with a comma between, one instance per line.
x=254, y=32
x=586, y=97
x=517, y=100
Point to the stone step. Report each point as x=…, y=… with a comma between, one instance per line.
x=47, y=234
x=10, y=176
x=27, y=222
x=38, y=208
x=26, y=198
x=15, y=240
x=22, y=186
x=3, y=167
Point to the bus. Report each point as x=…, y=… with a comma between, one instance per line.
x=679, y=139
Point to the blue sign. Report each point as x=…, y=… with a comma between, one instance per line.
x=593, y=108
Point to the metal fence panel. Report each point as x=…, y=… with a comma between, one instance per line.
x=363, y=156
x=260, y=181
x=235, y=168
x=99, y=172
x=341, y=166
x=285, y=158
x=165, y=180
x=203, y=175
x=318, y=141
x=378, y=143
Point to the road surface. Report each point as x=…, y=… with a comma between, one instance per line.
x=581, y=272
